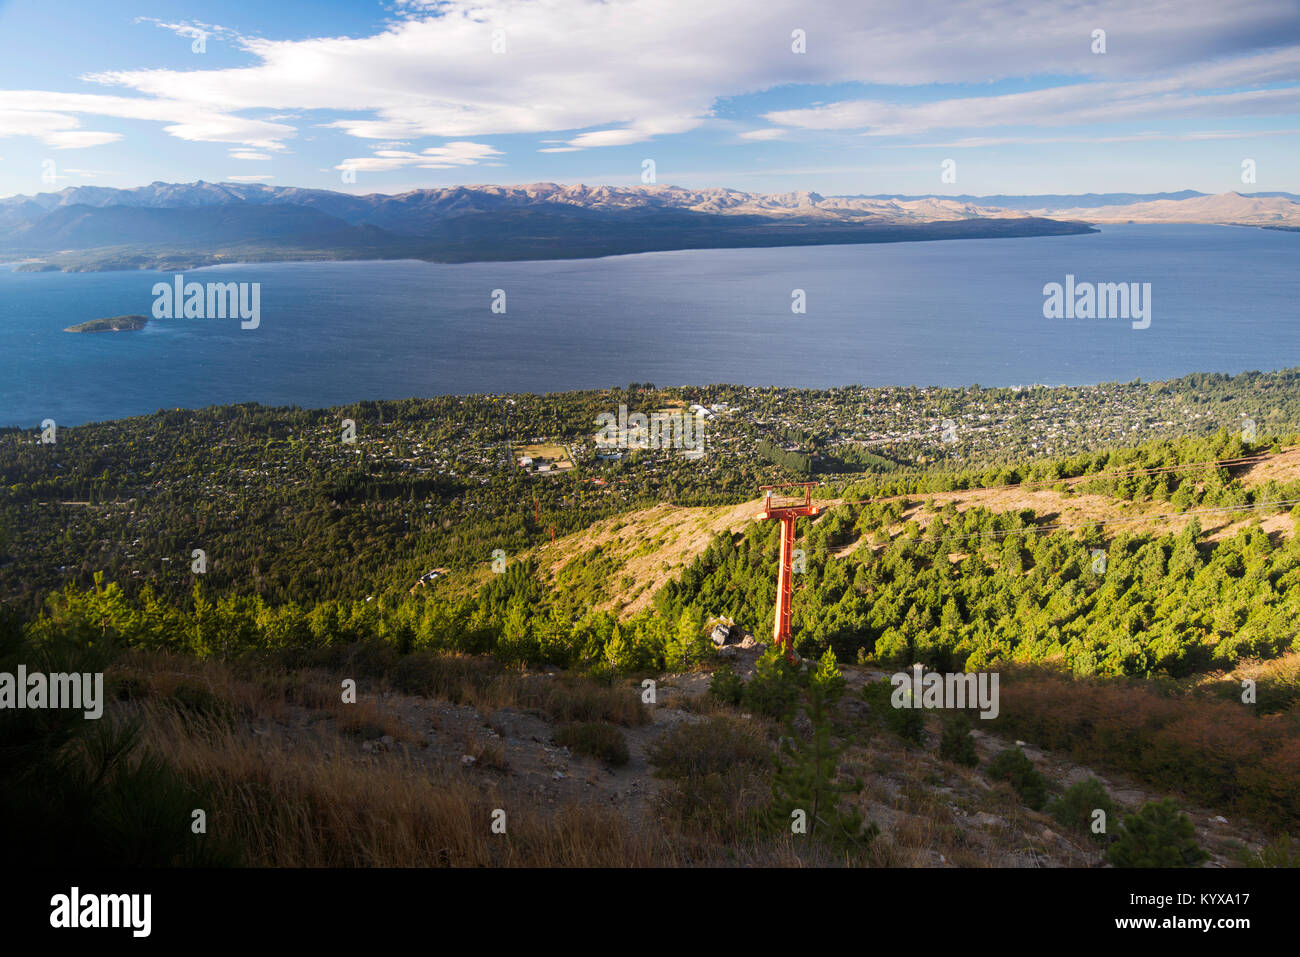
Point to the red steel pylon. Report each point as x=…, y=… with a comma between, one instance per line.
x=786, y=514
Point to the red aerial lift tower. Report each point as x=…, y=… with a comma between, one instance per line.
x=786, y=513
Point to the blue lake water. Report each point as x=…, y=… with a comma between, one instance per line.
x=931, y=313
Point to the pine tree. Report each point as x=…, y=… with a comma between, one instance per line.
x=1158, y=835
x=956, y=744
x=615, y=653
x=1013, y=561
x=774, y=688
x=828, y=678
x=687, y=644
x=806, y=781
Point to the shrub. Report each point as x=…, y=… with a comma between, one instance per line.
x=774, y=689
x=1283, y=852
x=131, y=688
x=455, y=677
x=567, y=698
x=1214, y=752
x=1012, y=765
x=906, y=723
x=1158, y=835
x=595, y=739
x=708, y=746
x=86, y=793
x=197, y=703
x=827, y=676
x=1074, y=809
x=727, y=686
x=717, y=771
x=956, y=744
x=807, y=785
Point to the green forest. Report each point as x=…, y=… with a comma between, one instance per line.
x=330, y=558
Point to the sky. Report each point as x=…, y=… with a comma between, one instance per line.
x=834, y=96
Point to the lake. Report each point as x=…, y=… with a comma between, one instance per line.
x=929, y=313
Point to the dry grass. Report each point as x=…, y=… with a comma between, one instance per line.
x=573, y=698
x=144, y=674
x=684, y=533
x=367, y=719
x=307, y=797
x=206, y=686
x=317, y=803
x=1215, y=750
x=486, y=754
x=321, y=806
x=295, y=789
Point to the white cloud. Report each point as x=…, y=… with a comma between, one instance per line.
x=624, y=71
x=16, y=122
x=193, y=28
x=1078, y=105
x=78, y=139
x=449, y=156
x=260, y=178
x=249, y=155
x=188, y=121
x=56, y=130
x=619, y=72
x=976, y=142
x=1174, y=95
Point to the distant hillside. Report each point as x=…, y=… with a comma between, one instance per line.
x=420, y=212
x=166, y=225
x=681, y=535
x=86, y=227
x=1229, y=209
x=1068, y=200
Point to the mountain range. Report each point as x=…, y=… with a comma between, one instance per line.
x=171, y=225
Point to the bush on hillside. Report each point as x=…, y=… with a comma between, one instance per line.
x=1158, y=835
x=595, y=739
x=956, y=744
x=906, y=723
x=727, y=686
x=1012, y=765
x=1075, y=810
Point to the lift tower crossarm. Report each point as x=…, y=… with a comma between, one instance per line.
x=786, y=513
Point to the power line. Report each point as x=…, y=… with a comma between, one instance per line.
x=1088, y=477
x=1237, y=461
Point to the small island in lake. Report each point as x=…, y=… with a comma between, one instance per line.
x=111, y=324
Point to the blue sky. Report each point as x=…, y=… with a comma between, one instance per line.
x=411, y=94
